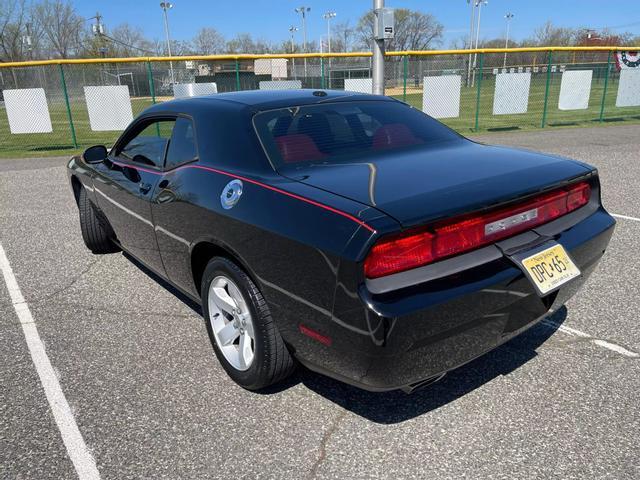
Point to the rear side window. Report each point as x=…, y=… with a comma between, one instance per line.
x=345, y=131
x=182, y=146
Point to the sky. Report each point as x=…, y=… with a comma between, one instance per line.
x=270, y=20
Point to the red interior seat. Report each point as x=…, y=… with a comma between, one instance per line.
x=298, y=148
x=394, y=135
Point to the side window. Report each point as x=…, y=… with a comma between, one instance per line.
x=182, y=147
x=149, y=146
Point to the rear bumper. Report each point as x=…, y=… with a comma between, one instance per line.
x=422, y=331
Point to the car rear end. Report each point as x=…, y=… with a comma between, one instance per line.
x=477, y=243
x=443, y=314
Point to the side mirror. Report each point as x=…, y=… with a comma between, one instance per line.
x=95, y=154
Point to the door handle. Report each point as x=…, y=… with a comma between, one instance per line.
x=144, y=187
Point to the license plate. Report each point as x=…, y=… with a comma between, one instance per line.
x=550, y=268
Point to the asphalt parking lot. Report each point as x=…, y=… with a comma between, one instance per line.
x=150, y=400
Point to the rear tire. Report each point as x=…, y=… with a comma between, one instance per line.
x=95, y=232
x=268, y=360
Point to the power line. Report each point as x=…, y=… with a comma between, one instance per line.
x=126, y=44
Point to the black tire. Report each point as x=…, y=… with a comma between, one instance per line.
x=95, y=232
x=272, y=361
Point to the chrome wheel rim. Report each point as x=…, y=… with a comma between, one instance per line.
x=231, y=323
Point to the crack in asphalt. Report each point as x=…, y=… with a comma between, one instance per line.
x=60, y=290
x=69, y=285
x=323, y=444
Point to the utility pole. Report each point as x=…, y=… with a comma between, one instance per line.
x=293, y=29
x=378, y=51
x=508, y=17
x=26, y=41
x=303, y=11
x=98, y=31
x=166, y=6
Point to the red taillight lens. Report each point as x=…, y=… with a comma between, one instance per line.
x=398, y=253
x=578, y=196
x=419, y=247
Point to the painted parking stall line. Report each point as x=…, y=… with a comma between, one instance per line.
x=80, y=456
x=625, y=217
x=596, y=341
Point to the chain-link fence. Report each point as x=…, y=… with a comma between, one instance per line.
x=64, y=106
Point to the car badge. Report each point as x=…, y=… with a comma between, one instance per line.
x=231, y=194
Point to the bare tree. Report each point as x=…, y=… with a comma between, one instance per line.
x=129, y=41
x=181, y=47
x=550, y=35
x=208, y=42
x=61, y=26
x=12, y=30
x=342, y=34
x=413, y=30
x=244, y=43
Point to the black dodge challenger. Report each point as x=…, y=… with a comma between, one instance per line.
x=350, y=232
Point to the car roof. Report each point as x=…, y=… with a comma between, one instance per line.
x=266, y=99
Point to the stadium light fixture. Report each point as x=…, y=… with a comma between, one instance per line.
x=292, y=30
x=167, y=6
x=303, y=12
x=328, y=16
x=478, y=4
x=509, y=16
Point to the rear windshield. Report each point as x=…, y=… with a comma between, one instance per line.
x=340, y=132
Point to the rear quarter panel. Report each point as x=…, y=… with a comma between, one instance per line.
x=290, y=247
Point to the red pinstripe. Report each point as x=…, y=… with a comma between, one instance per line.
x=260, y=184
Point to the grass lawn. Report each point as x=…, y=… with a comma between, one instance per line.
x=59, y=142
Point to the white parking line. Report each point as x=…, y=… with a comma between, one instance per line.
x=626, y=217
x=596, y=341
x=79, y=454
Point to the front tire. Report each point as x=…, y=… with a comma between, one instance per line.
x=94, y=232
x=242, y=331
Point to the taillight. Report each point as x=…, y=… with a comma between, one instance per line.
x=414, y=248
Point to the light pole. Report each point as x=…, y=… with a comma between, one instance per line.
x=471, y=29
x=328, y=16
x=166, y=6
x=293, y=29
x=303, y=11
x=479, y=4
x=509, y=16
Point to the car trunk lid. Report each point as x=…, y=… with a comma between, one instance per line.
x=416, y=186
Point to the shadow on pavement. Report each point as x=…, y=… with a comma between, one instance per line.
x=397, y=406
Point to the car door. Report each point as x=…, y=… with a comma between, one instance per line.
x=175, y=215
x=126, y=185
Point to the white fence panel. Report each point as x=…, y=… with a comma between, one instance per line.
x=27, y=110
x=575, y=89
x=512, y=93
x=109, y=107
x=185, y=90
x=441, y=96
x=280, y=84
